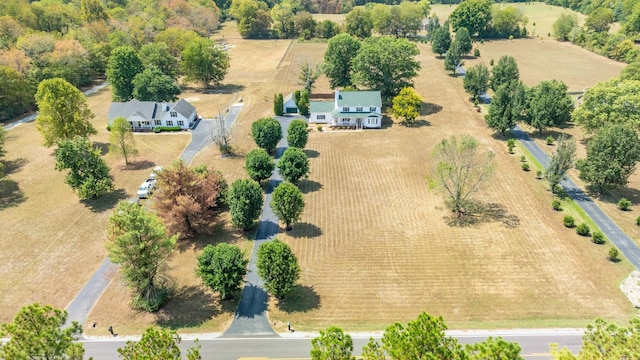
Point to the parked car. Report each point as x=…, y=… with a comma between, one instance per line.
x=154, y=172
x=145, y=190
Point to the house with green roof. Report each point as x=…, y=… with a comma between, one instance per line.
x=360, y=109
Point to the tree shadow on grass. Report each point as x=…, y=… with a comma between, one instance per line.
x=417, y=123
x=191, y=306
x=386, y=122
x=223, y=89
x=139, y=165
x=307, y=186
x=103, y=147
x=301, y=299
x=311, y=154
x=429, y=108
x=301, y=230
x=477, y=213
x=10, y=194
x=613, y=195
x=13, y=166
x=218, y=233
x=105, y=202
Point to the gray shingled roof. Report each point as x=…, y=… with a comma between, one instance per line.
x=148, y=110
x=359, y=98
x=321, y=106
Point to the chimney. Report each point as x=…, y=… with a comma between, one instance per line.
x=337, y=97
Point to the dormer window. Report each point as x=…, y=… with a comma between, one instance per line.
x=372, y=109
x=174, y=114
x=359, y=109
x=345, y=109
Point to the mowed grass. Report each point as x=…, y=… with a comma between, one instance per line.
x=375, y=244
x=549, y=59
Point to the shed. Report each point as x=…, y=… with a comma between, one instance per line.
x=289, y=104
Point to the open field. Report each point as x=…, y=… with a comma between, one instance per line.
x=375, y=246
x=549, y=59
x=374, y=243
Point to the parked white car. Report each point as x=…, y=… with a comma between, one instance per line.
x=145, y=190
x=154, y=172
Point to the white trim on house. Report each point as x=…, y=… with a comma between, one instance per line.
x=145, y=115
x=360, y=109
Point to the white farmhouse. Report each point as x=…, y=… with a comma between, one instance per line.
x=144, y=115
x=361, y=109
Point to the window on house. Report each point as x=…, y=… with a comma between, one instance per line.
x=345, y=109
x=174, y=114
x=370, y=121
x=320, y=117
x=359, y=109
x=169, y=122
x=157, y=122
x=180, y=123
x=373, y=108
x=346, y=119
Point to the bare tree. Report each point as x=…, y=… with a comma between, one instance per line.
x=460, y=170
x=560, y=161
x=221, y=135
x=308, y=75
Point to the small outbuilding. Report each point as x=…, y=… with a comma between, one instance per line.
x=289, y=104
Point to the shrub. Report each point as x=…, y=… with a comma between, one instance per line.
x=476, y=52
x=569, y=221
x=510, y=37
x=550, y=140
x=556, y=205
x=613, y=254
x=624, y=204
x=557, y=188
x=157, y=129
x=638, y=221
x=523, y=158
x=525, y=166
x=539, y=174
x=491, y=62
x=583, y=229
x=108, y=127
x=511, y=143
x=319, y=127
x=597, y=237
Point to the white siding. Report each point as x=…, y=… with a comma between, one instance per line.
x=314, y=118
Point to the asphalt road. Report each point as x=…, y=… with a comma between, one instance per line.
x=608, y=227
x=535, y=344
x=250, y=318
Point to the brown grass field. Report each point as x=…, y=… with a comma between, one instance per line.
x=374, y=243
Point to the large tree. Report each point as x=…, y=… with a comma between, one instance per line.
x=253, y=17
x=39, y=332
x=359, y=23
x=564, y=26
x=293, y=165
x=560, y=161
x=203, y=62
x=423, y=338
x=454, y=57
x=460, y=169
x=441, y=40
x=187, y=199
x=332, y=344
x=222, y=268
x=297, y=134
x=464, y=40
x=123, y=65
x=88, y=173
x=612, y=155
x=287, y=203
x=159, y=54
x=62, y=112
x=245, y=203
x=611, y=102
x=506, y=70
x=475, y=15
x=139, y=243
x=121, y=141
x=548, y=105
x=259, y=164
x=406, y=105
x=599, y=20
x=278, y=267
x=152, y=85
x=338, y=59
x=266, y=132
x=16, y=93
x=387, y=64
x=158, y=344
x=476, y=81
x=508, y=21
x=506, y=106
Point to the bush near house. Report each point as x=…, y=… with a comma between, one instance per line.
x=157, y=129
